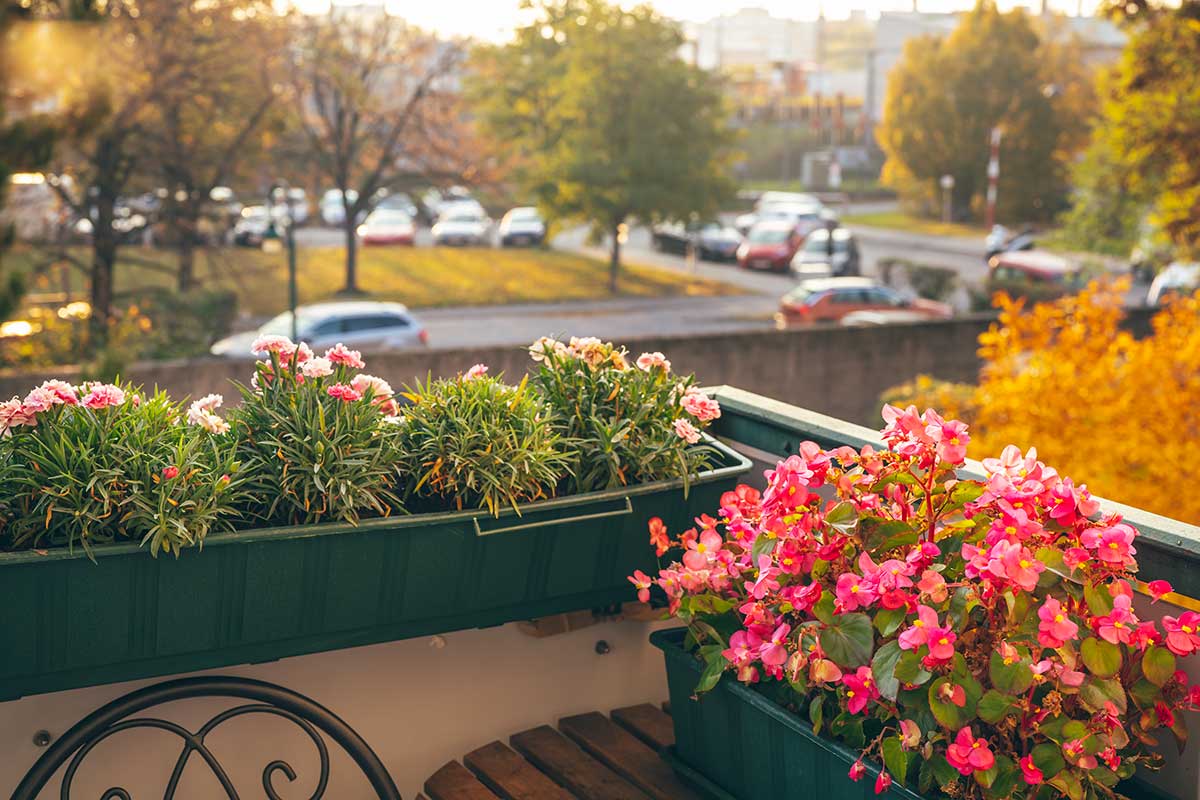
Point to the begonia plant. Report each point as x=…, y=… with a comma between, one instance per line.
x=976, y=638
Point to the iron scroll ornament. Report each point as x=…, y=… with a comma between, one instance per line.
x=265, y=698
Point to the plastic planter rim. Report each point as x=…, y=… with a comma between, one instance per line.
x=735, y=464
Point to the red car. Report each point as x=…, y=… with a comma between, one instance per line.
x=387, y=226
x=770, y=245
x=831, y=299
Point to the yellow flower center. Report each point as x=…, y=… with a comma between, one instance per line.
x=1010, y=530
x=1058, y=617
x=974, y=744
x=1186, y=628
x=700, y=548
x=918, y=624
x=1113, y=545
x=853, y=589
x=850, y=693
x=943, y=640
x=1024, y=564
x=954, y=440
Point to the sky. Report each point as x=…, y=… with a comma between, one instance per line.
x=494, y=19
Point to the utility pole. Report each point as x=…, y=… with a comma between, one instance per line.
x=993, y=176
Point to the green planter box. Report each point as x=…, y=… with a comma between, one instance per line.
x=739, y=744
x=266, y=594
x=736, y=744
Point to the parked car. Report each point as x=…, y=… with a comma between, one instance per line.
x=831, y=299
x=827, y=254
x=522, y=226
x=1003, y=240
x=770, y=246
x=803, y=209
x=333, y=212
x=1033, y=274
x=387, y=226
x=1178, y=278
x=713, y=240
x=466, y=226
x=251, y=227
x=361, y=325
x=398, y=201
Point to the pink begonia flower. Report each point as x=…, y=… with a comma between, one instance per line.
x=344, y=392
x=1110, y=758
x=1159, y=588
x=701, y=551
x=1113, y=545
x=649, y=361
x=1183, y=633
x=910, y=734
x=103, y=395
x=883, y=782
x=1015, y=563
x=766, y=582
x=951, y=437
x=700, y=405
x=953, y=693
x=477, y=371
x=1076, y=753
x=853, y=592
x=857, y=770
x=686, y=431
x=744, y=647
x=1062, y=503
x=1117, y=626
x=822, y=671
x=774, y=652
x=933, y=586
x=1032, y=775
x=860, y=689
x=340, y=354
x=968, y=754
x=658, y=536
x=642, y=581
x=926, y=630
x=1055, y=628
x=316, y=367
x=1075, y=556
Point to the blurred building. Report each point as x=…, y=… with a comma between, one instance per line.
x=751, y=38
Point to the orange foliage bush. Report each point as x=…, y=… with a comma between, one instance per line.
x=1120, y=413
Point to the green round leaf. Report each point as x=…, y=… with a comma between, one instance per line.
x=994, y=706
x=1048, y=758
x=883, y=667
x=1158, y=665
x=849, y=640
x=1012, y=678
x=947, y=713
x=1100, y=657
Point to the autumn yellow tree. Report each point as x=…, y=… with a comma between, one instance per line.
x=1118, y=413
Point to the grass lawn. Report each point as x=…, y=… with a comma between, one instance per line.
x=419, y=277
x=899, y=220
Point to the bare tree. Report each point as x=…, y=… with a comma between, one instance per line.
x=208, y=123
x=377, y=101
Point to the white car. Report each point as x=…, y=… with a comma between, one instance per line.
x=333, y=213
x=776, y=210
x=521, y=226
x=1177, y=278
x=387, y=226
x=462, y=227
x=360, y=325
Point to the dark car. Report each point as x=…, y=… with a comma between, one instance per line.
x=712, y=240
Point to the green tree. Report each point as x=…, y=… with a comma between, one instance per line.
x=603, y=120
x=1151, y=118
x=945, y=96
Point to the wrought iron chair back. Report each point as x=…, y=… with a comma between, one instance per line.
x=316, y=721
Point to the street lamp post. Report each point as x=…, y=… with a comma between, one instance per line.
x=289, y=240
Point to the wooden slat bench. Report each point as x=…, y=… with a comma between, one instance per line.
x=589, y=757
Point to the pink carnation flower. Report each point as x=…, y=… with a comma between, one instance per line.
x=686, y=431
x=201, y=413
x=264, y=345
x=340, y=354
x=655, y=360
x=477, y=371
x=381, y=390
x=344, y=392
x=700, y=406
x=103, y=395
x=316, y=367
x=13, y=413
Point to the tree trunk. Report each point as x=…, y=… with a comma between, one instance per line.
x=185, y=232
x=104, y=258
x=349, y=226
x=614, y=260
